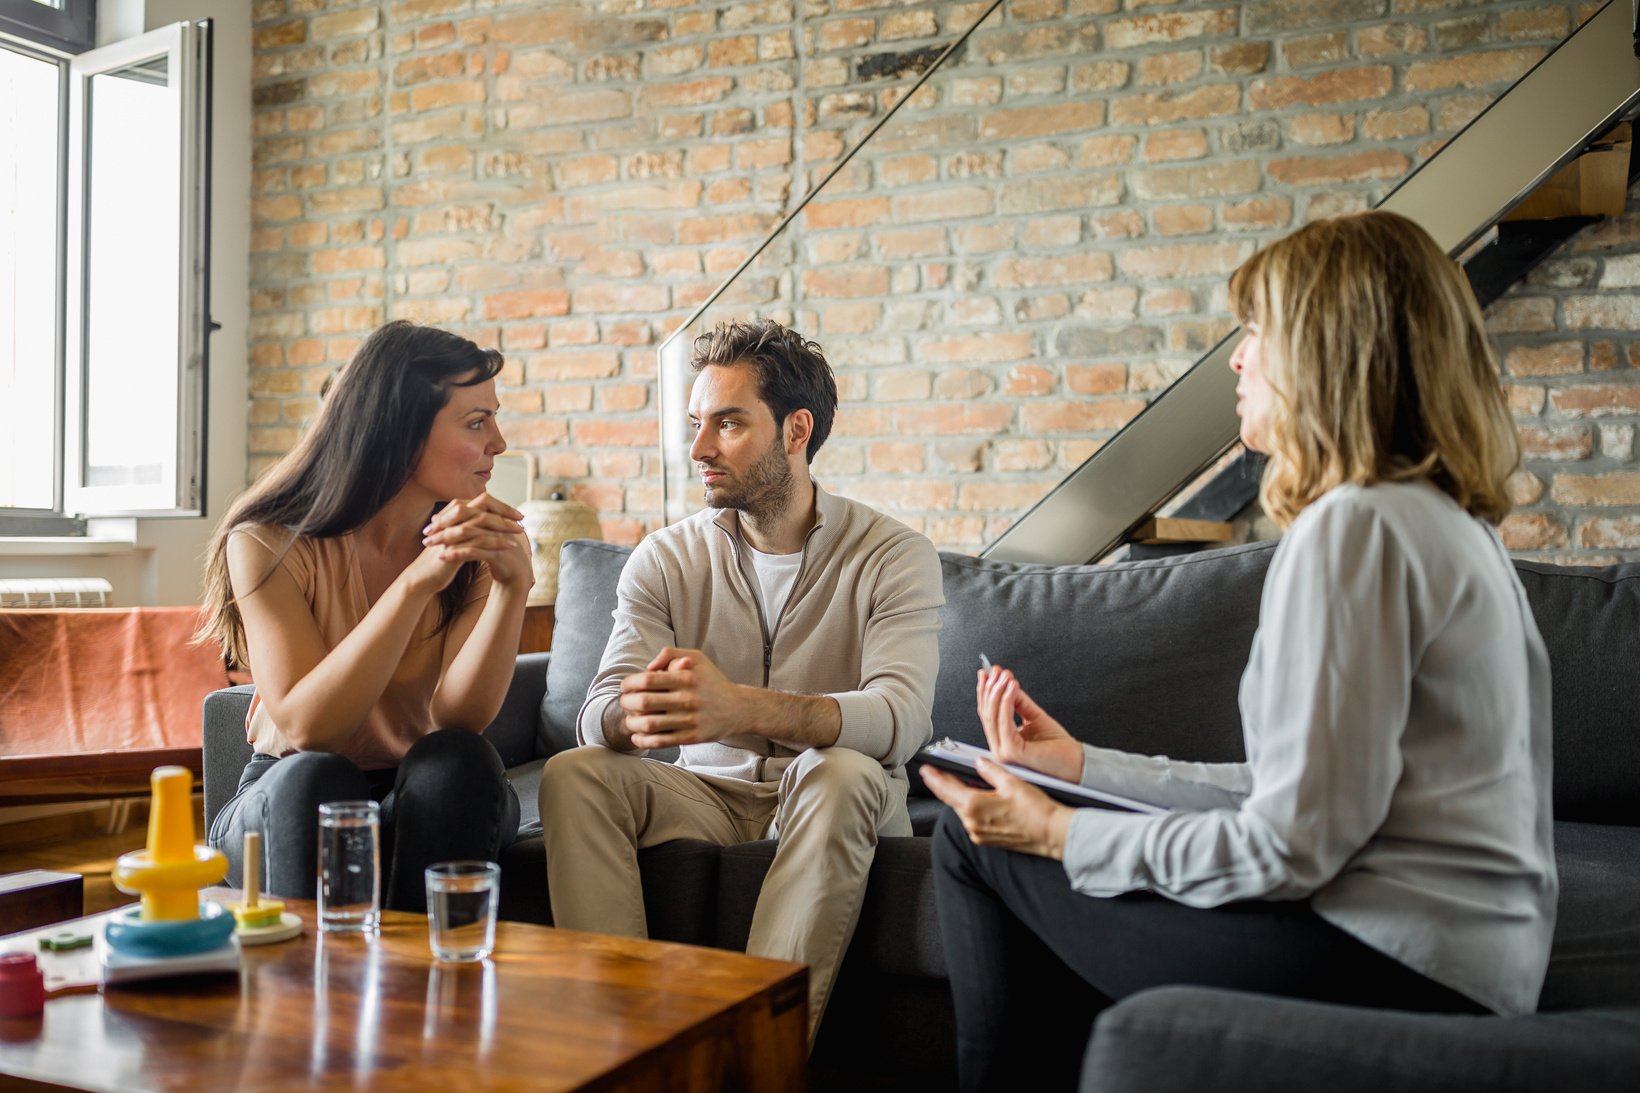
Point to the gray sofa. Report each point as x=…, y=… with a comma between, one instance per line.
x=1146, y=656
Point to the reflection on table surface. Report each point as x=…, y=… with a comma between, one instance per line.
x=551, y=1008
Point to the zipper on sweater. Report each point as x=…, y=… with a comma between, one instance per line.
x=797, y=583
x=768, y=657
x=754, y=588
x=769, y=633
x=768, y=639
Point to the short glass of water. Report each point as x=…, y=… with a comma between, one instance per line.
x=350, y=866
x=461, y=905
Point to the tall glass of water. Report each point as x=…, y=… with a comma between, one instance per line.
x=350, y=869
x=461, y=906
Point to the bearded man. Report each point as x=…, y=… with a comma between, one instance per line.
x=786, y=641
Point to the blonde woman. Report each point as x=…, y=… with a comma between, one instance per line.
x=1387, y=842
x=376, y=591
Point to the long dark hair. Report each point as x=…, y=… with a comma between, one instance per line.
x=359, y=452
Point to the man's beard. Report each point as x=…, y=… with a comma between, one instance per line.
x=764, y=492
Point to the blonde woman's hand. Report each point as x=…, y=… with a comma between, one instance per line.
x=1012, y=814
x=480, y=529
x=1019, y=731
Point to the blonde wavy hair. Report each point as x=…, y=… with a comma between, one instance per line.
x=1378, y=366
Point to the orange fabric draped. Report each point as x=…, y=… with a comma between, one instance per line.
x=102, y=679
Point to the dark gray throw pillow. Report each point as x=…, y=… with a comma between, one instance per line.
x=1145, y=656
x=588, y=572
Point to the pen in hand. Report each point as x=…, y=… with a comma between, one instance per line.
x=985, y=666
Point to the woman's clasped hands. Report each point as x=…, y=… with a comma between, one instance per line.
x=1013, y=814
x=478, y=529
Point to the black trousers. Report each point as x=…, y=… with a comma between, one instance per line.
x=448, y=800
x=1032, y=961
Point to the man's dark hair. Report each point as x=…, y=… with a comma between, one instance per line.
x=792, y=373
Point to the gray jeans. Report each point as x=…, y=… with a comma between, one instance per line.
x=448, y=800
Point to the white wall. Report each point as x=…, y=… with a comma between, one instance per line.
x=163, y=563
x=171, y=552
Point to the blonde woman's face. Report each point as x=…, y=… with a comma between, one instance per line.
x=1253, y=396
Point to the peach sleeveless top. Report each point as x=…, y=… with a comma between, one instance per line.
x=327, y=572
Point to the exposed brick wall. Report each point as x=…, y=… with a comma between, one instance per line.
x=1035, y=245
x=1569, y=340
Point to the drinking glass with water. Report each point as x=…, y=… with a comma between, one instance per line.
x=461, y=906
x=350, y=873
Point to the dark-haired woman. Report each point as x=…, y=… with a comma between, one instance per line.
x=377, y=591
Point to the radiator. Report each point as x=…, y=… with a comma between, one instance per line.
x=55, y=592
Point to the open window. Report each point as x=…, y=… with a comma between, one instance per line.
x=104, y=214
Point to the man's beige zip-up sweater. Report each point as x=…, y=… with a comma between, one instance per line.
x=861, y=625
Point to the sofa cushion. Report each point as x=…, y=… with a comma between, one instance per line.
x=513, y=732
x=526, y=782
x=1595, y=960
x=741, y=869
x=1182, y=1039
x=588, y=572
x=1590, y=621
x=680, y=882
x=925, y=813
x=899, y=930
x=1145, y=656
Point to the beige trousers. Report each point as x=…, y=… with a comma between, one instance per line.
x=599, y=808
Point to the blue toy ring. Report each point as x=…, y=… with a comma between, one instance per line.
x=128, y=933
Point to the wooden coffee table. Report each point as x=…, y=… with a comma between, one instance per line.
x=550, y=1010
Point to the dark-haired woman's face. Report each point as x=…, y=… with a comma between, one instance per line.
x=462, y=445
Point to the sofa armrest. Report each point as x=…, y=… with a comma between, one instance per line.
x=1191, y=1038
x=226, y=751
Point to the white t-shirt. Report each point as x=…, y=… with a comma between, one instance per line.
x=776, y=574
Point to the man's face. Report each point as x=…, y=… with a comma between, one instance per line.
x=739, y=452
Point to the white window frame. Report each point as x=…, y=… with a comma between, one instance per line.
x=181, y=491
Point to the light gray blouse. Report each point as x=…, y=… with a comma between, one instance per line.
x=1396, y=715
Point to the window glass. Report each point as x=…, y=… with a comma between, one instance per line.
x=131, y=306
x=29, y=165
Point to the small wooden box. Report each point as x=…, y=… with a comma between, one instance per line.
x=39, y=897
